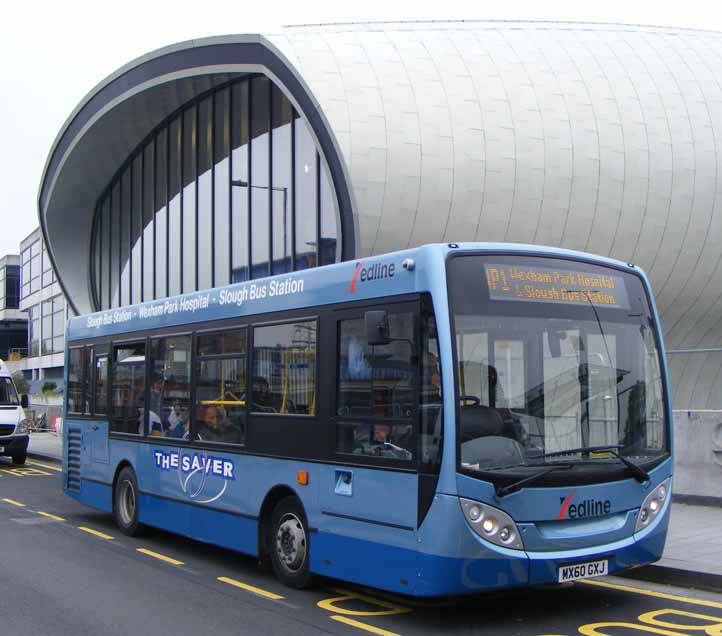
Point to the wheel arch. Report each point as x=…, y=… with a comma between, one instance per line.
x=273, y=496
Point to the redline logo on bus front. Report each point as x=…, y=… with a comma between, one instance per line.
x=582, y=509
x=375, y=271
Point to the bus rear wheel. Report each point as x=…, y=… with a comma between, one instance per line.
x=125, y=502
x=289, y=544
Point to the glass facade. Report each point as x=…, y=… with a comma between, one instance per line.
x=231, y=187
x=10, y=287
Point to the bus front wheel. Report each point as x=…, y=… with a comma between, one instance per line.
x=125, y=502
x=289, y=544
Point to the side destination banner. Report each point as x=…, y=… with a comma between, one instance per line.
x=306, y=288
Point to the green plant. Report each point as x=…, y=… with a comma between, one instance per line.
x=21, y=384
x=49, y=387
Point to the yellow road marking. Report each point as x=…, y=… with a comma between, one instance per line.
x=161, y=557
x=25, y=472
x=250, y=588
x=49, y=516
x=669, y=597
x=48, y=466
x=102, y=535
x=332, y=604
x=364, y=626
x=14, y=503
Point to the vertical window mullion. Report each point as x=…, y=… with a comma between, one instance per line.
x=318, y=209
x=250, y=180
x=110, y=245
x=155, y=209
x=211, y=154
x=230, y=186
x=293, y=190
x=197, y=179
x=180, y=195
x=270, y=178
x=142, y=224
x=130, y=233
x=167, y=211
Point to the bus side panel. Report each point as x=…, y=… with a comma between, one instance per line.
x=373, y=563
x=225, y=529
x=85, y=480
x=367, y=527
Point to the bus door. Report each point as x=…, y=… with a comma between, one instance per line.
x=368, y=499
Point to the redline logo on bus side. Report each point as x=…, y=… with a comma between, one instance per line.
x=375, y=271
x=586, y=508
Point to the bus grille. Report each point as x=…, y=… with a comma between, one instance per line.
x=7, y=429
x=74, y=442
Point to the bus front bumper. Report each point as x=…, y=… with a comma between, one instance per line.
x=477, y=566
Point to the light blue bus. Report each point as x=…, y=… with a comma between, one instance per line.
x=450, y=419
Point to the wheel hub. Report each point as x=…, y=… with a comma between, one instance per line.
x=291, y=542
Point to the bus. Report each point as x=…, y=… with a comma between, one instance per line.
x=450, y=419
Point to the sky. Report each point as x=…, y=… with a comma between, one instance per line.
x=53, y=53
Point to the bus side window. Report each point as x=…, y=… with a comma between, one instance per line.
x=170, y=386
x=220, y=409
x=284, y=369
x=431, y=433
x=78, y=380
x=101, y=385
x=375, y=389
x=128, y=387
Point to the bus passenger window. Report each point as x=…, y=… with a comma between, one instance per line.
x=431, y=426
x=101, y=385
x=376, y=390
x=221, y=387
x=127, y=388
x=284, y=369
x=170, y=387
x=78, y=380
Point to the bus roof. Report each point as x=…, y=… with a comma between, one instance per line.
x=366, y=278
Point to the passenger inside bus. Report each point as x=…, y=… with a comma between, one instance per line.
x=213, y=424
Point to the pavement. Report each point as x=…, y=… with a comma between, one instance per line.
x=692, y=555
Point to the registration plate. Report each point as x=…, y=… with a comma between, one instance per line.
x=582, y=570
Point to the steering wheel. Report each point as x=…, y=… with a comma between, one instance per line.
x=475, y=401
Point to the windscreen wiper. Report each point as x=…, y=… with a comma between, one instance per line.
x=639, y=473
x=518, y=485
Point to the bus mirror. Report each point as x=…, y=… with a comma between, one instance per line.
x=24, y=402
x=377, y=327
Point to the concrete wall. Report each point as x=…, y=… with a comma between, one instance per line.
x=698, y=446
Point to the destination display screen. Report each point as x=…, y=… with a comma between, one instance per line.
x=529, y=283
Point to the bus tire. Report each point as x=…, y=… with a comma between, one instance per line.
x=125, y=502
x=289, y=544
x=19, y=458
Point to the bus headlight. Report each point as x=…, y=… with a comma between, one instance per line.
x=492, y=524
x=652, y=505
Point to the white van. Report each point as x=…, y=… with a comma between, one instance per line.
x=13, y=425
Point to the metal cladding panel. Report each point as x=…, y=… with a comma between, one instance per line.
x=602, y=138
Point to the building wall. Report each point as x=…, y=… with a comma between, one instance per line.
x=602, y=138
x=46, y=309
